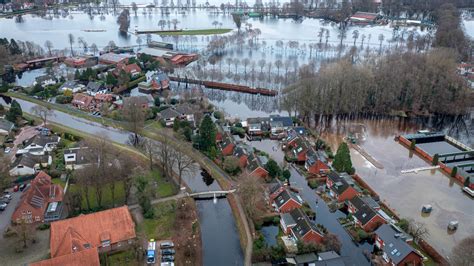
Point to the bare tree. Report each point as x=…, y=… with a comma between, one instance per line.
x=134, y=8
x=166, y=155
x=175, y=23
x=184, y=164
x=25, y=231
x=43, y=112
x=261, y=64
x=71, y=40
x=462, y=254
x=417, y=229
x=134, y=114
x=48, y=45
x=150, y=149
x=251, y=192
x=94, y=48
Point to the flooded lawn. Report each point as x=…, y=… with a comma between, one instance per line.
x=270, y=233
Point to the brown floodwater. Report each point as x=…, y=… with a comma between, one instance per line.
x=407, y=193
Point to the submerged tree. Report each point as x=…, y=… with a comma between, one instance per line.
x=124, y=20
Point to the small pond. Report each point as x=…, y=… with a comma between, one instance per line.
x=270, y=233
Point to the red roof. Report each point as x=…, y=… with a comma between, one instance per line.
x=82, y=99
x=87, y=257
x=103, y=97
x=88, y=231
x=132, y=68
x=36, y=199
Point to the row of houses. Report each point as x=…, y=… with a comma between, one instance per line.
x=294, y=222
x=273, y=125
x=366, y=213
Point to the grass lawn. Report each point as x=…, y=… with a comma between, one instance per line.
x=126, y=257
x=197, y=32
x=165, y=188
x=161, y=226
x=153, y=125
x=428, y=262
x=106, y=196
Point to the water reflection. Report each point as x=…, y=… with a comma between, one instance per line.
x=207, y=178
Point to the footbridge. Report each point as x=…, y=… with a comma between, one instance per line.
x=211, y=194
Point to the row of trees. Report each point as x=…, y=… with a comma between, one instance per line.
x=406, y=81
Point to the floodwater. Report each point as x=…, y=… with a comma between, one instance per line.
x=406, y=193
x=270, y=233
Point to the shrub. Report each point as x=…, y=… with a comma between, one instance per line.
x=313, y=183
x=218, y=115
x=43, y=227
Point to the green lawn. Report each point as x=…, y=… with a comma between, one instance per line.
x=122, y=258
x=165, y=188
x=106, y=196
x=196, y=32
x=161, y=226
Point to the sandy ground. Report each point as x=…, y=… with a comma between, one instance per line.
x=34, y=252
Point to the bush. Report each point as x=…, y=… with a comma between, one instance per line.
x=231, y=165
x=62, y=99
x=313, y=183
x=43, y=227
x=218, y=115
x=9, y=232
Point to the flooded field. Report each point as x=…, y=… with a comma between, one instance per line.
x=406, y=193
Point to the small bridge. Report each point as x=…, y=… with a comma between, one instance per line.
x=211, y=194
x=416, y=170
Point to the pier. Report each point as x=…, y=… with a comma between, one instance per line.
x=226, y=86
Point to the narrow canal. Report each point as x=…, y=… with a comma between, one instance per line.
x=220, y=238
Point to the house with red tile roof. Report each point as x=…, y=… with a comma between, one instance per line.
x=106, y=231
x=41, y=202
x=298, y=225
x=86, y=257
x=255, y=167
x=315, y=163
x=242, y=154
x=132, y=69
x=226, y=145
x=287, y=201
x=82, y=101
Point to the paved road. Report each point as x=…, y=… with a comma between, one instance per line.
x=156, y=201
x=121, y=136
x=5, y=216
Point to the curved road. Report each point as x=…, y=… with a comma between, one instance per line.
x=121, y=136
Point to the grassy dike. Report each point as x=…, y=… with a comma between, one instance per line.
x=206, y=163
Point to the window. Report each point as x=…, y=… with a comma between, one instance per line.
x=105, y=243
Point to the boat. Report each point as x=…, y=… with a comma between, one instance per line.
x=468, y=191
x=94, y=30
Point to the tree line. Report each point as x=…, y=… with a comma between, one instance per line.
x=417, y=84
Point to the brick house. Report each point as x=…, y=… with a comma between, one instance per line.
x=226, y=145
x=89, y=257
x=41, y=202
x=132, y=69
x=339, y=187
x=298, y=225
x=275, y=190
x=287, y=201
x=255, y=166
x=241, y=153
x=315, y=164
x=82, y=101
x=106, y=231
x=364, y=215
x=396, y=251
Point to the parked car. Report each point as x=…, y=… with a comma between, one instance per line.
x=167, y=258
x=22, y=187
x=3, y=206
x=166, y=245
x=8, y=150
x=167, y=251
x=7, y=197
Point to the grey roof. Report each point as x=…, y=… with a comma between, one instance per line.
x=184, y=109
x=68, y=84
x=168, y=113
x=364, y=213
x=82, y=155
x=328, y=255
x=6, y=125
x=303, y=224
x=240, y=150
x=306, y=258
x=284, y=197
x=95, y=86
x=274, y=187
x=40, y=79
x=288, y=219
x=253, y=163
x=42, y=140
x=394, y=246
x=30, y=160
x=340, y=184
x=284, y=121
x=371, y=202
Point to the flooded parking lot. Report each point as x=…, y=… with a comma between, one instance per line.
x=406, y=193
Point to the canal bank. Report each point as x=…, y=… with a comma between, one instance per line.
x=227, y=242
